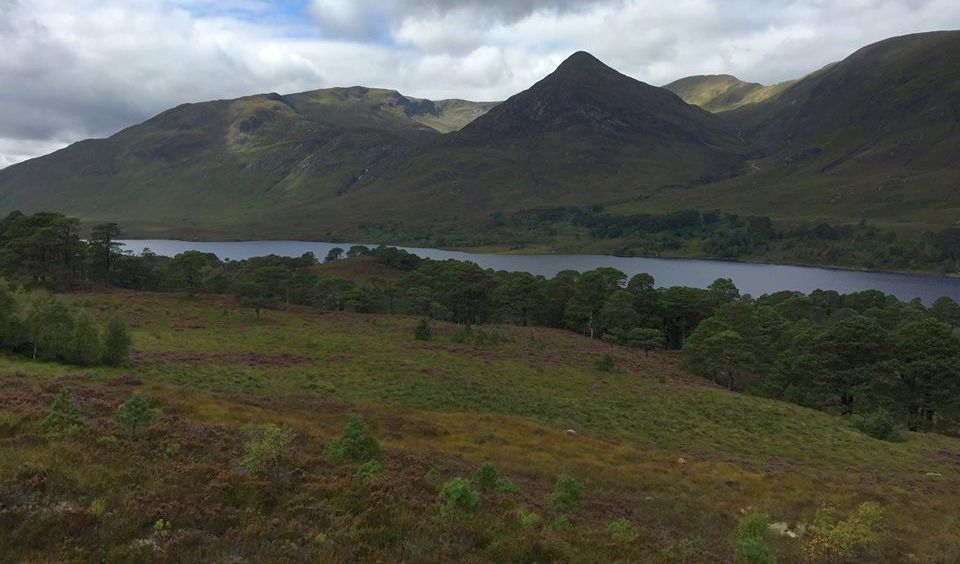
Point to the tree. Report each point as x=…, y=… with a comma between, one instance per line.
x=722, y=291
x=64, y=415
x=116, y=342
x=357, y=444
x=253, y=294
x=459, y=499
x=422, y=331
x=264, y=453
x=751, y=538
x=335, y=253
x=103, y=249
x=567, y=494
x=86, y=345
x=486, y=477
x=729, y=354
x=646, y=339
x=136, y=414
x=617, y=315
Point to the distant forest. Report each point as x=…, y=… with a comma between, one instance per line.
x=711, y=234
x=886, y=364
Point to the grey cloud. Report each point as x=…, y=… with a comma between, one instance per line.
x=70, y=70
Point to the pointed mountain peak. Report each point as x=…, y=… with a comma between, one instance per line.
x=582, y=62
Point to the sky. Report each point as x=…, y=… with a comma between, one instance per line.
x=76, y=69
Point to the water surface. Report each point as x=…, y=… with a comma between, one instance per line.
x=754, y=279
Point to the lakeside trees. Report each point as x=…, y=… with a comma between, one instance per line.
x=860, y=354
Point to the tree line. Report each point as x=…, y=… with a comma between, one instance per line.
x=864, y=354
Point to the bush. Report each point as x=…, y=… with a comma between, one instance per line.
x=750, y=540
x=505, y=486
x=567, y=494
x=136, y=414
x=605, y=363
x=422, y=332
x=486, y=477
x=685, y=550
x=623, y=530
x=64, y=415
x=879, y=425
x=369, y=470
x=459, y=500
x=835, y=539
x=116, y=343
x=357, y=443
x=530, y=518
x=264, y=452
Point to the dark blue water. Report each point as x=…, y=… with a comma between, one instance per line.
x=754, y=279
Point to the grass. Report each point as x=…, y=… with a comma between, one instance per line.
x=678, y=458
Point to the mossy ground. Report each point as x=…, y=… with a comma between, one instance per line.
x=678, y=458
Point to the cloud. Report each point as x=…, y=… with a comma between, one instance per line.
x=70, y=70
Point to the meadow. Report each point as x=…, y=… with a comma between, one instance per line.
x=677, y=458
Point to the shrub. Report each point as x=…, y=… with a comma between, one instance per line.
x=685, y=550
x=161, y=527
x=357, y=443
x=486, y=477
x=116, y=343
x=567, y=494
x=422, y=331
x=64, y=415
x=98, y=507
x=622, y=529
x=136, y=414
x=530, y=518
x=835, y=539
x=265, y=449
x=108, y=441
x=369, y=470
x=605, y=363
x=750, y=540
x=879, y=425
x=505, y=486
x=459, y=499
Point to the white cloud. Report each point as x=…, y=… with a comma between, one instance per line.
x=70, y=70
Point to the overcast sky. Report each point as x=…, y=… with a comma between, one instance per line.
x=72, y=69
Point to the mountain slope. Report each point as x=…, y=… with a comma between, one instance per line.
x=875, y=136
x=722, y=92
x=583, y=135
x=226, y=163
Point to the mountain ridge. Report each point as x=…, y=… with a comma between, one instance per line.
x=333, y=162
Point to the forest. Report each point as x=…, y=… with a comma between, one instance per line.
x=887, y=364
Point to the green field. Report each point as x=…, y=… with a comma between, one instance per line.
x=679, y=458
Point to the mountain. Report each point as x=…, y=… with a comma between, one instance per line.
x=722, y=92
x=875, y=136
x=221, y=166
x=322, y=163
x=583, y=135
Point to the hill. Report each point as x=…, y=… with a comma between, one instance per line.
x=871, y=137
x=674, y=457
x=242, y=158
x=583, y=135
x=722, y=92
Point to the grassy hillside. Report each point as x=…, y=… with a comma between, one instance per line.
x=871, y=137
x=722, y=92
x=679, y=459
